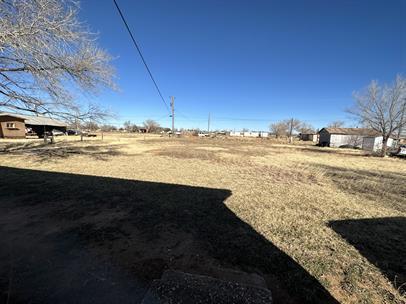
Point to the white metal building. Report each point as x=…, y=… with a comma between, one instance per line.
x=235, y=134
x=338, y=137
x=374, y=143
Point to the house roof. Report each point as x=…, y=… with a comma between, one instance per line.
x=352, y=131
x=36, y=120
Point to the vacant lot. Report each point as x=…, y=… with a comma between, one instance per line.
x=104, y=218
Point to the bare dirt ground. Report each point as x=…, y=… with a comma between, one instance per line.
x=97, y=221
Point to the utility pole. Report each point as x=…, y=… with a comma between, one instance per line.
x=401, y=121
x=290, y=130
x=173, y=114
x=208, y=125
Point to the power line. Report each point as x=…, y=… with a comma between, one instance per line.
x=140, y=53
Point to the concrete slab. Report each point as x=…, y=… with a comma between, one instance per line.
x=178, y=287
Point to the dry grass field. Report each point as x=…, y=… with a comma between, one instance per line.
x=321, y=225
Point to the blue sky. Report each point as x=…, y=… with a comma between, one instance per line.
x=248, y=63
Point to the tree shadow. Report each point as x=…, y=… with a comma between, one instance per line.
x=382, y=241
x=386, y=187
x=344, y=152
x=45, y=152
x=79, y=239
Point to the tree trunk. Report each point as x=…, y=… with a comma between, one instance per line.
x=384, y=146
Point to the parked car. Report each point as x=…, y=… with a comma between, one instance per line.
x=73, y=132
x=401, y=151
x=56, y=132
x=29, y=132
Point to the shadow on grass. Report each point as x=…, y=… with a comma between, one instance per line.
x=45, y=152
x=79, y=239
x=344, y=152
x=386, y=188
x=382, y=241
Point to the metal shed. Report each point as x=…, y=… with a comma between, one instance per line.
x=374, y=143
x=339, y=137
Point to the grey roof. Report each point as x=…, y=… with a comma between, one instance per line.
x=36, y=120
x=352, y=131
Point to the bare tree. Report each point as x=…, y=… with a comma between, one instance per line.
x=280, y=129
x=91, y=126
x=336, y=124
x=130, y=127
x=127, y=125
x=108, y=128
x=306, y=128
x=151, y=125
x=45, y=54
x=381, y=108
x=286, y=128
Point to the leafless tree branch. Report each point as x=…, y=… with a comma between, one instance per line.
x=46, y=53
x=381, y=108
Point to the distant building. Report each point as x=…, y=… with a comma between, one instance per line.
x=374, y=143
x=14, y=125
x=401, y=135
x=309, y=137
x=11, y=126
x=249, y=134
x=339, y=137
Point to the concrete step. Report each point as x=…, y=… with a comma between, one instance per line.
x=177, y=287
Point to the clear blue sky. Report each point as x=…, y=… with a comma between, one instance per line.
x=248, y=62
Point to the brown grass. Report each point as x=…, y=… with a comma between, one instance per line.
x=290, y=194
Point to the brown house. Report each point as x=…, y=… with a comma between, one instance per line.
x=12, y=127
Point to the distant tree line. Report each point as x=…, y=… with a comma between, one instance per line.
x=286, y=128
x=149, y=125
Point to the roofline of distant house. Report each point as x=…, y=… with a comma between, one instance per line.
x=46, y=121
x=393, y=136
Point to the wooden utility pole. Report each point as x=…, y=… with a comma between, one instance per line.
x=401, y=121
x=208, y=124
x=173, y=114
x=290, y=130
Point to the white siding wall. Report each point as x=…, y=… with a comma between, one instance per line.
x=236, y=134
x=249, y=134
x=375, y=143
x=368, y=143
x=338, y=140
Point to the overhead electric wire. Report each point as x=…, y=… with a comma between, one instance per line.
x=140, y=53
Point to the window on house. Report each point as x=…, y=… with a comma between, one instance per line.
x=11, y=125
